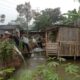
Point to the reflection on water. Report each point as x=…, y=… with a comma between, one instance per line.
x=35, y=60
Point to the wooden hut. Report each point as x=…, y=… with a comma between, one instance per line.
x=66, y=42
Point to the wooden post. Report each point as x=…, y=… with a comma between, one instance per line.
x=75, y=54
x=58, y=50
x=46, y=39
x=77, y=43
x=70, y=49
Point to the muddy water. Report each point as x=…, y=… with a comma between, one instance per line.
x=31, y=63
x=38, y=59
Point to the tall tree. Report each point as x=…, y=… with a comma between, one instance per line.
x=22, y=22
x=47, y=18
x=25, y=12
x=2, y=18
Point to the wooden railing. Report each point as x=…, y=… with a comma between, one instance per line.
x=51, y=48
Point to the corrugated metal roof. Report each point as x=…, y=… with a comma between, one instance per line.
x=4, y=27
x=2, y=31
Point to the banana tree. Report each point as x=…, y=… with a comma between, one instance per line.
x=72, y=17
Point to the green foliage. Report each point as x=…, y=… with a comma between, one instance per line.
x=6, y=53
x=53, y=64
x=60, y=59
x=6, y=50
x=1, y=78
x=26, y=75
x=25, y=15
x=72, y=69
x=24, y=10
x=11, y=79
x=47, y=18
x=5, y=71
x=54, y=14
x=72, y=17
x=50, y=71
x=21, y=45
x=22, y=22
x=46, y=72
x=49, y=75
x=8, y=70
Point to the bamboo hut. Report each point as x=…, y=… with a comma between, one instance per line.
x=66, y=42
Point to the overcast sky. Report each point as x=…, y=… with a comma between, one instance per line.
x=8, y=7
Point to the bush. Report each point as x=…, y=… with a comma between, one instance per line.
x=6, y=51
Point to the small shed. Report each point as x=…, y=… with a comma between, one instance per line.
x=10, y=28
x=66, y=42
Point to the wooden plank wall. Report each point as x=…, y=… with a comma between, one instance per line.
x=69, y=41
x=69, y=49
x=68, y=34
